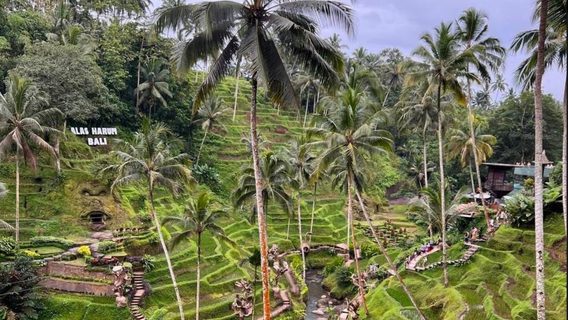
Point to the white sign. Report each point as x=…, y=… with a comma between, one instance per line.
x=95, y=131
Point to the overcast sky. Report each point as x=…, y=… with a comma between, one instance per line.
x=399, y=24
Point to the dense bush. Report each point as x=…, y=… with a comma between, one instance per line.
x=106, y=246
x=7, y=246
x=521, y=209
x=207, y=175
x=18, y=292
x=51, y=241
x=85, y=251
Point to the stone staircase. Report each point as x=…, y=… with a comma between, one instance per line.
x=138, y=287
x=472, y=249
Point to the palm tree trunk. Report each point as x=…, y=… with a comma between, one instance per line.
x=17, y=196
x=425, y=166
x=313, y=212
x=261, y=219
x=442, y=188
x=138, y=75
x=201, y=146
x=165, y=249
x=538, y=171
x=471, y=180
x=470, y=117
x=387, y=96
x=236, y=95
x=288, y=227
x=300, y=236
x=198, y=283
x=391, y=265
x=306, y=111
x=355, y=256
x=565, y=146
x=425, y=162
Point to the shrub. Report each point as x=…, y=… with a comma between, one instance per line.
x=521, y=209
x=343, y=277
x=85, y=251
x=148, y=263
x=332, y=265
x=31, y=254
x=204, y=174
x=7, y=246
x=51, y=241
x=106, y=246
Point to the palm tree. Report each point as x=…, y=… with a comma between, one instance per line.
x=538, y=155
x=155, y=87
x=301, y=163
x=275, y=180
x=208, y=116
x=199, y=217
x=148, y=159
x=461, y=145
x=258, y=32
x=422, y=116
x=487, y=54
x=395, y=76
x=556, y=54
x=348, y=137
x=22, y=126
x=443, y=65
x=428, y=208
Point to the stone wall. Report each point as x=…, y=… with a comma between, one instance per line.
x=65, y=270
x=92, y=288
x=70, y=278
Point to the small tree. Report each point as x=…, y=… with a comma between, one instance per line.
x=19, y=289
x=21, y=127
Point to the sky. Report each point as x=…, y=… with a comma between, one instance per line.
x=381, y=24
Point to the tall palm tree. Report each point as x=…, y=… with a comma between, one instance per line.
x=208, y=116
x=22, y=127
x=275, y=180
x=148, y=159
x=555, y=55
x=443, y=64
x=155, y=87
x=395, y=77
x=301, y=162
x=422, y=115
x=199, y=217
x=349, y=137
x=258, y=32
x=538, y=155
x=487, y=54
x=461, y=146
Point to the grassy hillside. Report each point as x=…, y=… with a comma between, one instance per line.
x=497, y=284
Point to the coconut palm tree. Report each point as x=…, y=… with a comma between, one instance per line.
x=422, y=116
x=208, y=116
x=275, y=180
x=349, y=137
x=395, y=77
x=155, y=87
x=259, y=32
x=429, y=208
x=487, y=54
x=22, y=126
x=443, y=64
x=556, y=55
x=461, y=146
x=538, y=155
x=149, y=160
x=301, y=166
x=199, y=217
